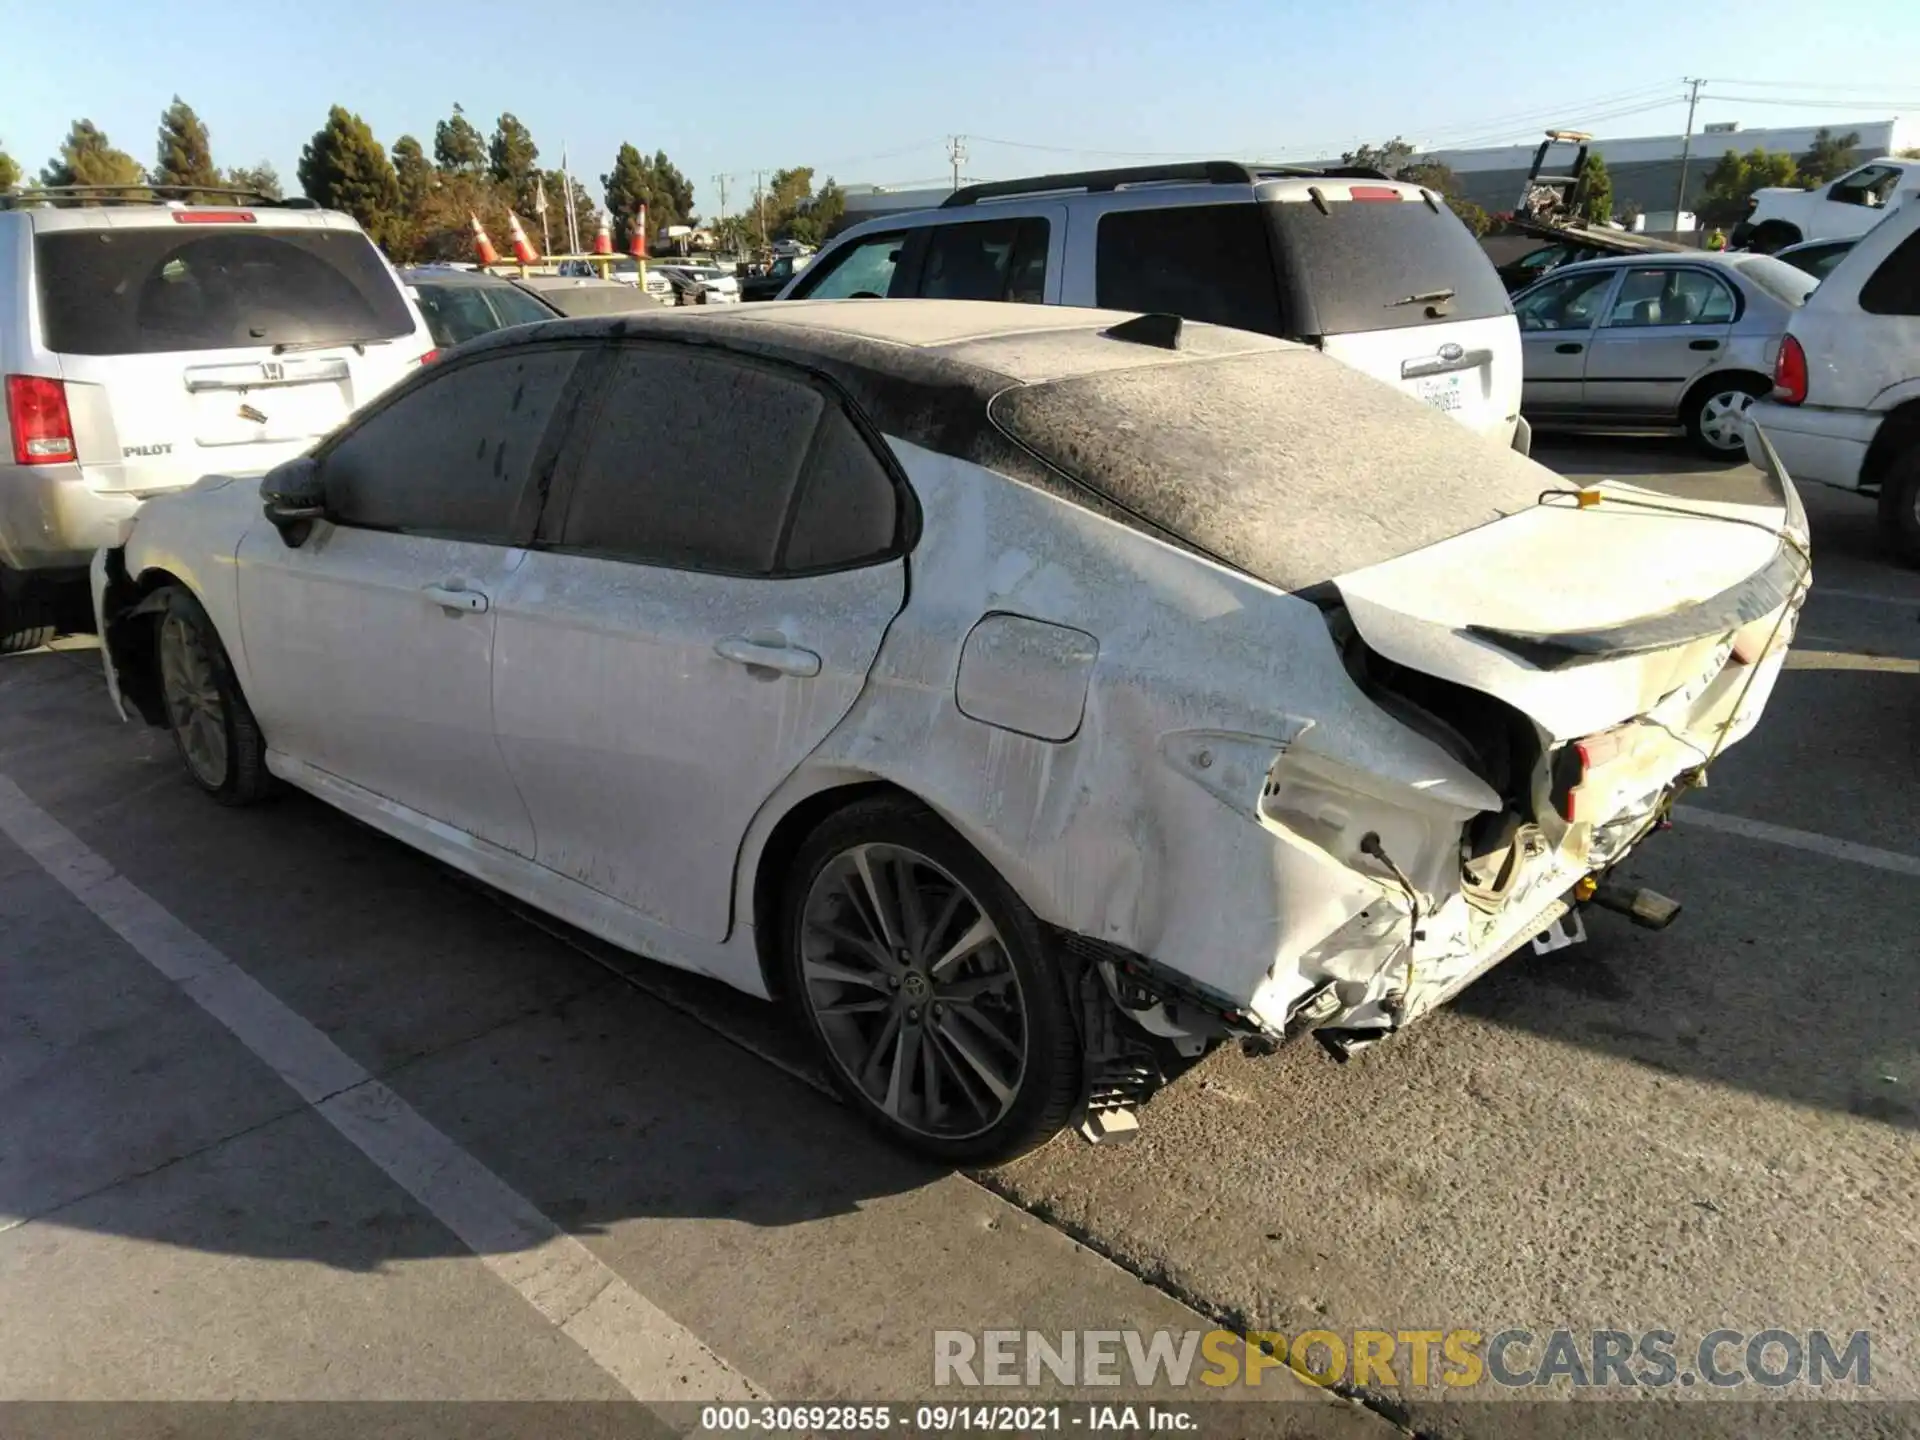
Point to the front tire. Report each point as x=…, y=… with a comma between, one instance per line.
x=213, y=728
x=931, y=990
x=1715, y=414
x=1900, y=504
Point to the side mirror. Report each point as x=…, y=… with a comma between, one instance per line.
x=293, y=497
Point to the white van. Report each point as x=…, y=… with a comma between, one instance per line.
x=1377, y=273
x=145, y=343
x=1845, y=408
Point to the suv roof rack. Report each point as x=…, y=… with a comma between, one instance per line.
x=144, y=194
x=1211, y=172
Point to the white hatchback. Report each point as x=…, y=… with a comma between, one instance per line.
x=1032, y=697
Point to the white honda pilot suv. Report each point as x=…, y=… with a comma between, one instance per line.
x=147, y=342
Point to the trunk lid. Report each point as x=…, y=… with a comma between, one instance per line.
x=1583, y=617
x=1458, y=368
x=225, y=344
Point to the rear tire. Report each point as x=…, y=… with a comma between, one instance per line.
x=26, y=620
x=213, y=728
x=1900, y=504
x=1713, y=414
x=956, y=1040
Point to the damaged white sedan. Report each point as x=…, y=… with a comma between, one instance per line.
x=1029, y=697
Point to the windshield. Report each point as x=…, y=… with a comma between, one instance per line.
x=1348, y=267
x=150, y=290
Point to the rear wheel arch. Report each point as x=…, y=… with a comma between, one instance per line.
x=1899, y=432
x=131, y=640
x=1752, y=382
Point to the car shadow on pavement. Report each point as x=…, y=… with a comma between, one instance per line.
x=600, y=1096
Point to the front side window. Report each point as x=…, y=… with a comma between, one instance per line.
x=1871, y=186
x=1201, y=262
x=1670, y=295
x=1569, y=303
x=455, y=313
x=987, y=260
x=516, y=307
x=866, y=268
x=454, y=458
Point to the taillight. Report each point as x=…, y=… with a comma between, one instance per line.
x=1373, y=192
x=429, y=357
x=1790, y=373
x=42, y=428
x=213, y=217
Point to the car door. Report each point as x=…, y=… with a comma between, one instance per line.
x=870, y=267
x=1557, y=319
x=370, y=645
x=717, y=567
x=1664, y=327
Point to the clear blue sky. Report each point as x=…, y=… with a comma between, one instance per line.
x=867, y=90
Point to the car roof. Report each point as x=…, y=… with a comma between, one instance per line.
x=981, y=340
x=157, y=216
x=435, y=275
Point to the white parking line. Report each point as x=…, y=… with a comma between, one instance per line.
x=651, y=1355
x=1851, y=850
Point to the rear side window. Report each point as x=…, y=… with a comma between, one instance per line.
x=987, y=260
x=1894, y=289
x=1201, y=262
x=455, y=457
x=848, y=510
x=152, y=290
x=455, y=312
x=1371, y=264
x=692, y=463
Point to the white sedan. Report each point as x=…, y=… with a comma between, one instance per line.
x=1030, y=697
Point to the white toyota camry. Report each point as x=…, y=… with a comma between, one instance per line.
x=1029, y=697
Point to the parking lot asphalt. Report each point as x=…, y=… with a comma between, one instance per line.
x=289, y=1112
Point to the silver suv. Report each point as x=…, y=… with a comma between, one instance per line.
x=1375, y=272
x=147, y=342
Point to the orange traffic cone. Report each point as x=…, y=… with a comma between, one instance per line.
x=483, y=250
x=603, y=239
x=637, y=245
x=523, y=250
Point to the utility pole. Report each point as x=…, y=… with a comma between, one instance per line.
x=760, y=204
x=1686, y=153
x=721, y=181
x=956, y=155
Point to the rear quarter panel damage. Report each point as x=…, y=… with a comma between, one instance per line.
x=1208, y=809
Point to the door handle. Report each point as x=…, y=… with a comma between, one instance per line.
x=1570, y=347
x=448, y=597
x=763, y=655
x=1703, y=345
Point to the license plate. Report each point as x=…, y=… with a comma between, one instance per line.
x=267, y=414
x=1443, y=392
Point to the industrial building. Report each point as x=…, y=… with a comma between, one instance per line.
x=1645, y=170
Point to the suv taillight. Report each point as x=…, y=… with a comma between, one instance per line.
x=37, y=413
x=1790, y=373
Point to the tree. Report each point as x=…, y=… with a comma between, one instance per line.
x=185, y=152
x=1597, y=207
x=1735, y=177
x=413, y=170
x=1828, y=158
x=344, y=168
x=262, y=179
x=9, y=172
x=1389, y=159
x=586, y=215
x=511, y=155
x=457, y=146
x=636, y=180
x=818, y=216
x=87, y=158
x=1912, y=152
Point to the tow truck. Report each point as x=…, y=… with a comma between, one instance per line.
x=1550, y=209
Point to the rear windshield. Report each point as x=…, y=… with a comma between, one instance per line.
x=1787, y=283
x=1285, y=463
x=1352, y=268
x=145, y=291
